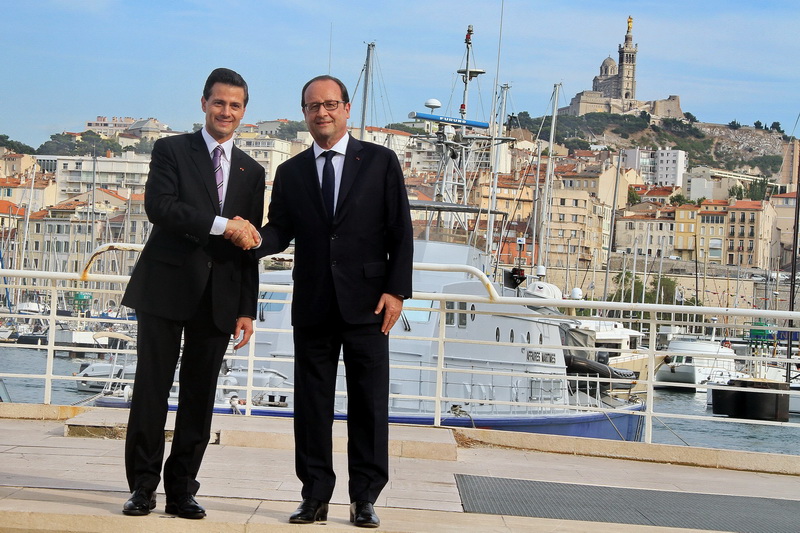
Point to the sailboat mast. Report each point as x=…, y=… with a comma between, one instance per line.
x=548, y=180
x=367, y=84
x=495, y=158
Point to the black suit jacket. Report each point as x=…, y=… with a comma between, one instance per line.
x=180, y=255
x=365, y=251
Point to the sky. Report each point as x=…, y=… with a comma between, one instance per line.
x=67, y=61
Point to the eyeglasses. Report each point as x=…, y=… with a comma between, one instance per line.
x=330, y=105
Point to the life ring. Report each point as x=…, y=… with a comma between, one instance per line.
x=726, y=344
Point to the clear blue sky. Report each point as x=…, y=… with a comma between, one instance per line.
x=67, y=61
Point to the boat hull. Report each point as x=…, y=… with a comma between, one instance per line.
x=623, y=424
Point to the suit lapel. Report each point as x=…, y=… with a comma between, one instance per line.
x=350, y=171
x=202, y=161
x=235, y=183
x=307, y=164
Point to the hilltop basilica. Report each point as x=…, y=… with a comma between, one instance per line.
x=614, y=89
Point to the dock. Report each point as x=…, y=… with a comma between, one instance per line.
x=62, y=469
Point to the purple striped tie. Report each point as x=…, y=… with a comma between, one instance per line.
x=216, y=160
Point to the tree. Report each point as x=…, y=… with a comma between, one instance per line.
x=679, y=199
x=59, y=144
x=633, y=197
x=737, y=191
x=92, y=143
x=145, y=146
x=757, y=124
x=758, y=189
x=288, y=130
x=734, y=125
x=16, y=146
x=691, y=118
x=402, y=127
x=577, y=144
x=776, y=126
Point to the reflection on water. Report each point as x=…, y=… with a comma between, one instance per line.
x=717, y=434
x=696, y=433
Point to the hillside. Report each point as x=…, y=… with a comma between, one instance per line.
x=717, y=145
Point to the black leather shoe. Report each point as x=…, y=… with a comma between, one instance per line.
x=310, y=511
x=140, y=503
x=185, y=507
x=363, y=515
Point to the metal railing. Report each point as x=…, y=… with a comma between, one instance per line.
x=760, y=352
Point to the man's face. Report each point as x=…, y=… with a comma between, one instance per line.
x=327, y=127
x=224, y=110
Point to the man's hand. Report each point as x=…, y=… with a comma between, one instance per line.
x=242, y=233
x=391, y=306
x=244, y=327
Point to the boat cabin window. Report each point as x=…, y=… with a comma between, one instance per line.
x=511, y=336
x=417, y=315
x=462, y=317
x=274, y=301
x=449, y=317
x=472, y=314
x=497, y=334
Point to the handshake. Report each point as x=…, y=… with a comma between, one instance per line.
x=242, y=233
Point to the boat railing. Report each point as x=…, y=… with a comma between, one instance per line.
x=719, y=323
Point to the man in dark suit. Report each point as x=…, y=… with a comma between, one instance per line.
x=190, y=281
x=352, y=269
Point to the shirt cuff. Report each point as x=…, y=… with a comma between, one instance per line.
x=219, y=225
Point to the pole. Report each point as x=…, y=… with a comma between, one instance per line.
x=611, y=229
x=367, y=83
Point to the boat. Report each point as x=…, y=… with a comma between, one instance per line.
x=102, y=376
x=507, y=366
x=697, y=361
x=497, y=360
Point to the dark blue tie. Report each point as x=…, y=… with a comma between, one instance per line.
x=328, y=181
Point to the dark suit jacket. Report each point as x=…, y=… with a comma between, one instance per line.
x=368, y=248
x=181, y=202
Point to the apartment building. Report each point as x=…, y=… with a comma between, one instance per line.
x=646, y=232
x=753, y=239
x=269, y=152
x=711, y=231
x=62, y=237
x=577, y=233
x=686, y=220
x=714, y=183
x=785, y=205
x=662, y=166
x=75, y=175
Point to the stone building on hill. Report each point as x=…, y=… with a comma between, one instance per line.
x=614, y=89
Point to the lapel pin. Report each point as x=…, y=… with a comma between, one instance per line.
x=242, y=169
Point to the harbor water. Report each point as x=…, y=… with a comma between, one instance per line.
x=681, y=432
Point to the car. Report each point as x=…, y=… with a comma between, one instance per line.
x=757, y=278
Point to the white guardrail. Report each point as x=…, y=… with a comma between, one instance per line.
x=757, y=353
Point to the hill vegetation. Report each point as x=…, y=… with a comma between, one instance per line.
x=730, y=146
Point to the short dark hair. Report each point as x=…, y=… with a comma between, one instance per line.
x=228, y=77
x=345, y=96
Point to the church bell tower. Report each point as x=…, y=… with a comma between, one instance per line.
x=627, y=66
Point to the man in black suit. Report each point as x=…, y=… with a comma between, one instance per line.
x=344, y=203
x=192, y=282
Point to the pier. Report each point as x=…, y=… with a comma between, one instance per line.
x=61, y=469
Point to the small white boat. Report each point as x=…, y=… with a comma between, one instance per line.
x=696, y=361
x=98, y=375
